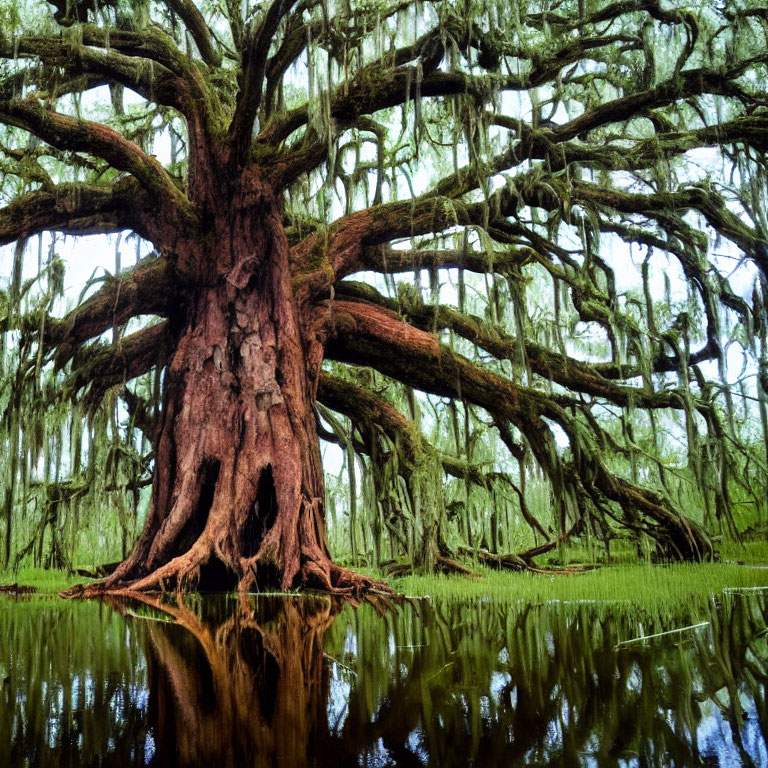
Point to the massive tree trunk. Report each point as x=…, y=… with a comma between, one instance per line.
x=237, y=497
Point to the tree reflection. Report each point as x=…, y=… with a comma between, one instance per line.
x=457, y=684
x=238, y=682
x=290, y=680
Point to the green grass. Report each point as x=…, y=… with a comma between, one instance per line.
x=749, y=552
x=46, y=582
x=648, y=586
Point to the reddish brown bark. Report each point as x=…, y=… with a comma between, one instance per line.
x=237, y=497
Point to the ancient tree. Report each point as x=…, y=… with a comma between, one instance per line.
x=514, y=161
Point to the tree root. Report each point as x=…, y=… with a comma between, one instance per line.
x=182, y=575
x=342, y=581
x=98, y=571
x=443, y=565
x=520, y=563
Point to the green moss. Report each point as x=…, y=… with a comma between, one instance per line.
x=317, y=257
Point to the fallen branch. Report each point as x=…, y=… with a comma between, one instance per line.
x=661, y=634
x=16, y=589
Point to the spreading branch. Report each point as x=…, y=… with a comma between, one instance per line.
x=75, y=209
x=575, y=375
x=156, y=83
x=147, y=289
x=102, y=366
x=98, y=140
x=365, y=335
x=253, y=67
x=194, y=21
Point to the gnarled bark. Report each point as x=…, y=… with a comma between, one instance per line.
x=237, y=497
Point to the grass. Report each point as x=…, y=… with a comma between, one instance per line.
x=46, y=582
x=649, y=586
x=748, y=552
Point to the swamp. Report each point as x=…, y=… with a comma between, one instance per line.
x=383, y=382
x=515, y=672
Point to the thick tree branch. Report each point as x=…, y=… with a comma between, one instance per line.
x=692, y=82
x=252, y=78
x=155, y=47
x=574, y=375
x=75, y=209
x=147, y=289
x=342, y=249
x=156, y=84
x=375, y=88
x=388, y=260
x=368, y=409
x=99, y=367
x=193, y=20
x=69, y=133
x=325, y=257
x=366, y=335
x=151, y=43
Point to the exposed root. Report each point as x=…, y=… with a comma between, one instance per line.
x=523, y=562
x=182, y=574
x=443, y=565
x=509, y=562
x=342, y=581
x=98, y=571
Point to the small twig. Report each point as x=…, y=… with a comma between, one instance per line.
x=440, y=671
x=661, y=634
x=340, y=663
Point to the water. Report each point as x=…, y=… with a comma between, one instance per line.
x=269, y=680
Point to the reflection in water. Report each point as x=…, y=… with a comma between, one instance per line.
x=492, y=685
x=304, y=680
x=245, y=685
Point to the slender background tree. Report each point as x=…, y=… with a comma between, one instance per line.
x=546, y=201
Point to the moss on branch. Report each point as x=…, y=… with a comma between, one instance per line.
x=376, y=337
x=146, y=289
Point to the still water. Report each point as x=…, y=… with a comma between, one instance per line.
x=276, y=680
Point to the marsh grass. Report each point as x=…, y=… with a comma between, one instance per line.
x=653, y=587
x=755, y=552
x=45, y=581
